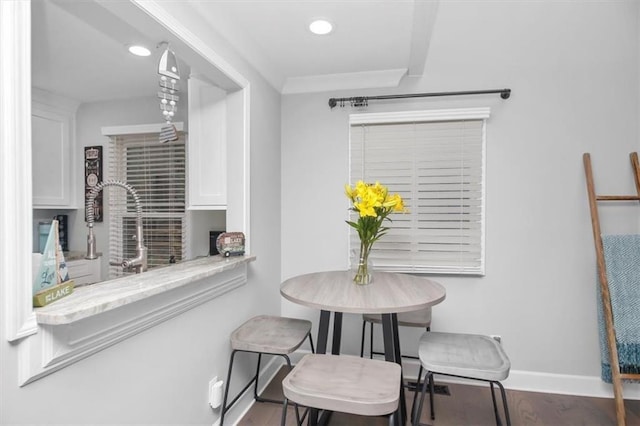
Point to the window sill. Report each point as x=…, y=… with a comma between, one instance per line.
x=100, y=315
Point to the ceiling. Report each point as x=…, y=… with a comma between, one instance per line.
x=373, y=42
x=78, y=46
x=78, y=52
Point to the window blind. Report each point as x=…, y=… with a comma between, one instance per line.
x=438, y=168
x=157, y=172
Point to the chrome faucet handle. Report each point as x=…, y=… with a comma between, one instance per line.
x=127, y=265
x=138, y=263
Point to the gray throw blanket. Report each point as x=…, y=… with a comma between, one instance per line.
x=622, y=259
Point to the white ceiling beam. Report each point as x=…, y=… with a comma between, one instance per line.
x=343, y=81
x=424, y=18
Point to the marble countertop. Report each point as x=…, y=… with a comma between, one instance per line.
x=93, y=299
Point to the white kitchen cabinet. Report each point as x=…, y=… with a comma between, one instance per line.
x=52, y=153
x=207, y=147
x=84, y=271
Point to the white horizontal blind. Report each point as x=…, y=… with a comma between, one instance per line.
x=157, y=172
x=438, y=168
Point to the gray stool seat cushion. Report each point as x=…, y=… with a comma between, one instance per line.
x=270, y=334
x=419, y=318
x=468, y=355
x=344, y=383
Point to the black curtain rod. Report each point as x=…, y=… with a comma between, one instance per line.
x=360, y=101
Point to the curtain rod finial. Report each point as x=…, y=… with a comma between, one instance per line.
x=505, y=94
x=332, y=103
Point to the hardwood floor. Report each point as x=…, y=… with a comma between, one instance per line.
x=471, y=405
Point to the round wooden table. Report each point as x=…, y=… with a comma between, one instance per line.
x=388, y=293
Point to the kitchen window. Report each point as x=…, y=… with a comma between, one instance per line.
x=157, y=172
x=436, y=161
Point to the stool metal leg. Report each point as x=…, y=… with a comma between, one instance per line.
x=504, y=403
x=415, y=394
x=226, y=406
x=431, y=392
x=495, y=406
x=313, y=417
x=296, y=405
x=283, y=418
x=364, y=330
x=423, y=392
x=261, y=399
x=364, y=327
x=255, y=387
x=371, y=341
x=429, y=380
x=313, y=351
x=226, y=389
x=392, y=419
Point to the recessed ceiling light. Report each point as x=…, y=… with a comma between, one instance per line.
x=139, y=50
x=320, y=27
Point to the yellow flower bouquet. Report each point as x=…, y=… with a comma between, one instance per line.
x=374, y=204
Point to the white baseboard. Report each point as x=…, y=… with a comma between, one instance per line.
x=529, y=381
x=568, y=385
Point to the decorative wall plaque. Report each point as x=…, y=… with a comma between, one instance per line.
x=93, y=175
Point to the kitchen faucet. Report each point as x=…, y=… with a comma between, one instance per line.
x=138, y=263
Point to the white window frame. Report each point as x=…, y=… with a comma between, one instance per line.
x=428, y=116
x=15, y=169
x=119, y=209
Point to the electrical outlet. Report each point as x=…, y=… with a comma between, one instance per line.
x=212, y=382
x=497, y=337
x=215, y=392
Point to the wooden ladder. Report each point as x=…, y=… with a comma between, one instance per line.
x=616, y=375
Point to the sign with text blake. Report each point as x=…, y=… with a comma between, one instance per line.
x=52, y=281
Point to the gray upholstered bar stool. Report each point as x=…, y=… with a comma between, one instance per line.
x=420, y=318
x=265, y=335
x=344, y=383
x=470, y=356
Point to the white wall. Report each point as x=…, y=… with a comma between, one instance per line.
x=161, y=375
x=573, y=70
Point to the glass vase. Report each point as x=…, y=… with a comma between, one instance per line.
x=363, y=270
